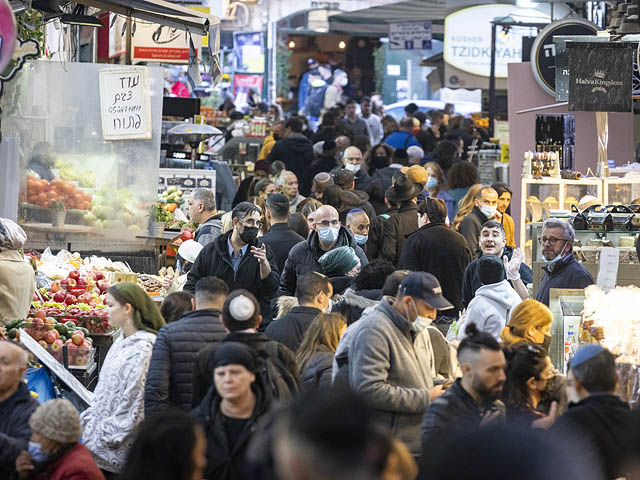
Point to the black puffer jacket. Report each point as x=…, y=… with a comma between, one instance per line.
x=303, y=259
x=317, y=371
x=214, y=261
x=471, y=226
x=354, y=302
x=296, y=151
x=290, y=329
x=170, y=376
x=15, y=431
x=397, y=229
x=225, y=461
x=440, y=251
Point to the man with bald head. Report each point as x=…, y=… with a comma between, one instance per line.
x=16, y=406
x=352, y=161
x=343, y=142
x=327, y=234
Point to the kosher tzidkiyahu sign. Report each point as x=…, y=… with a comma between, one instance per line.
x=600, y=76
x=467, y=38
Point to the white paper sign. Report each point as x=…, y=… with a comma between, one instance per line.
x=125, y=103
x=608, y=271
x=56, y=367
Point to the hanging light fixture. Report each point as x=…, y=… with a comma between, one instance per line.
x=78, y=17
x=292, y=44
x=342, y=45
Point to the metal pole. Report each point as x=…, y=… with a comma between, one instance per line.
x=492, y=80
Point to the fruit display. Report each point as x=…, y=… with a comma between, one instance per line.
x=118, y=210
x=53, y=335
x=171, y=196
x=42, y=193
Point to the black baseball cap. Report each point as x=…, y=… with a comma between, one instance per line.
x=426, y=287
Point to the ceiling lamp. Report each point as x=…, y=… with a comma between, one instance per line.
x=342, y=45
x=79, y=18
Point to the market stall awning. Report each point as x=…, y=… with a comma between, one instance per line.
x=376, y=20
x=159, y=11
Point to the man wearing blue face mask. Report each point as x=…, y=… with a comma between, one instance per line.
x=327, y=234
x=391, y=359
x=485, y=209
x=358, y=223
x=562, y=269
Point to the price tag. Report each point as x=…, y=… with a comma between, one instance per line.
x=125, y=103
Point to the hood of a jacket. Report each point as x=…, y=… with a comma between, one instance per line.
x=501, y=293
x=285, y=304
x=355, y=197
x=297, y=143
x=360, y=299
x=607, y=407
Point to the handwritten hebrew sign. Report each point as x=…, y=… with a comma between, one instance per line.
x=125, y=103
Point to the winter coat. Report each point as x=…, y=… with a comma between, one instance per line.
x=203, y=369
x=225, y=461
x=471, y=282
x=354, y=302
x=296, y=151
x=303, y=258
x=214, y=261
x=471, y=226
x=401, y=139
x=357, y=199
x=17, y=285
x=324, y=163
x=454, y=413
x=75, y=464
x=376, y=234
x=15, y=431
x=169, y=381
x=208, y=231
x=397, y=229
x=566, y=273
x=509, y=229
x=439, y=250
x=393, y=368
x=290, y=329
x=600, y=423
x=281, y=239
x=317, y=371
x=385, y=175
x=490, y=308
x=109, y=424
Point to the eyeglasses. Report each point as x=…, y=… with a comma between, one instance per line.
x=353, y=159
x=252, y=223
x=550, y=240
x=328, y=223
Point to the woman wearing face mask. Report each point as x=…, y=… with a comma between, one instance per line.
x=436, y=187
x=315, y=353
x=377, y=157
x=55, y=451
x=528, y=370
x=118, y=402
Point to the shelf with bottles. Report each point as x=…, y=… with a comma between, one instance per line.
x=545, y=197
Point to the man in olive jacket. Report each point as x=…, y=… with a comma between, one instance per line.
x=240, y=259
x=391, y=360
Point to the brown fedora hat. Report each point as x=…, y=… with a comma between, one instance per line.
x=403, y=189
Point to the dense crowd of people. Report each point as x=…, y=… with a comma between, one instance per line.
x=361, y=313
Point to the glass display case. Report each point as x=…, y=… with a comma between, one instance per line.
x=77, y=190
x=621, y=191
x=546, y=197
x=566, y=306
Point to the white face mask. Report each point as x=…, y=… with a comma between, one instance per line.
x=488, y=211
x=328, y=234
x=351, y=167
x=555, y=259
x=421, y=323
x=344, y=81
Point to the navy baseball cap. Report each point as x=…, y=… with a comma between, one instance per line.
x=426, y=287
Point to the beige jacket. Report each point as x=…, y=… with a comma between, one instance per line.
x=17, y=285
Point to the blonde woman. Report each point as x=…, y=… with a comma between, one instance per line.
x=530, y=322
x=315, y=354
x=467, y=203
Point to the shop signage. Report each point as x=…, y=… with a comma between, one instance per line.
x=248, y=48
x=125, y=103
x=410, y=36
x=600, y=76
x=562, y=61
x=467, y=38
x=186, y=179
x=152, y=42
x=543, y=52
x=242, y=82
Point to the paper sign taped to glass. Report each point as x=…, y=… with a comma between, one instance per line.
x=600, y=76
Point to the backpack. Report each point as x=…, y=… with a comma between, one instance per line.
x=315, y=100
x=279, y=381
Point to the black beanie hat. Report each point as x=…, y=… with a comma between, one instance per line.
x=231, y=353
x=490, y=269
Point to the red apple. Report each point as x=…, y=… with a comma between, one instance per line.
x=85, y=298
x=55, y=286
x=74, y=274
x=98, y=275
x=40, y=314
x=68, y=283
x=59, y=297
x=81, y=282
x=78, y=337
x=38, y=322
x=50, y=336
x=102, y=285
x=57, y=345
x=70, y=299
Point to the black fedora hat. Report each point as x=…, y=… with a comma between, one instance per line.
x=402, y=190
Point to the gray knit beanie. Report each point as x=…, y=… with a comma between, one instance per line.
x=57, y=420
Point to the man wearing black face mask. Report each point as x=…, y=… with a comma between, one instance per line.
x=240, y=259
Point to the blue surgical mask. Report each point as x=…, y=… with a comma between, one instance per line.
x=432, y=183
x=328, y=234
x=488, y=211
x=555, y=259
x=360, y=239
x=37, y=454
